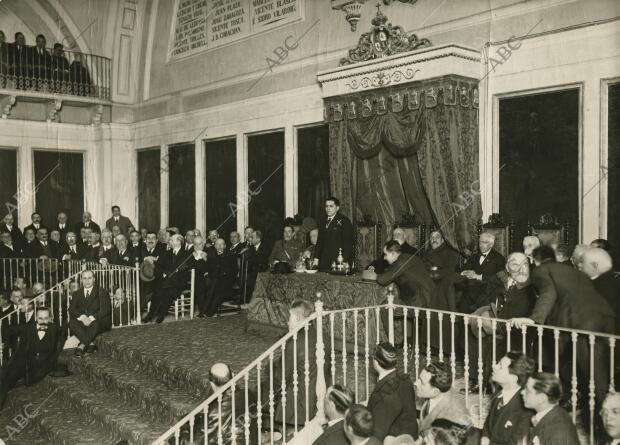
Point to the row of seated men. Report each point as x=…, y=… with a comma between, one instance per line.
x=34, y=64
x=523, y=409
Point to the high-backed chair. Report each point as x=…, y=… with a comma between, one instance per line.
x=503, y=232
x=368, y=242
x=550, y=230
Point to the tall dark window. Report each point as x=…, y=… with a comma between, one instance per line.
x=8, y=183
x=313, y=170
x=266, y=184
x=221, y=186
x=182, y=186
x=613, y=169
x=539, y=153
x=59, y=179
x=149, y=188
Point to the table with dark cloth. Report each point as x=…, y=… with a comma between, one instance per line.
x=274, y=293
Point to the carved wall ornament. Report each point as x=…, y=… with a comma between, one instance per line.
x=382, y=79
x=384, y=39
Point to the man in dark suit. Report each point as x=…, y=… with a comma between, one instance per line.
x=40, y=61
x=18, y=58
x=379, y=265
x=35, y=224
x=337, y=400
x=119, y=220
x=598, y=265
x=45, y=247
x=7, y=248
x=392, y=401
x=255, y=259
x=552, y=425
x=478, y=269
x=568, y=299
x=8, y=225
x=135, y=247
x=415, y=287
x=359, y=425
x=236, y=245
x=36, y=355
x=87, y=222
x=29, y=246
x=441, y=262
x=199, y=262
x=90, y=313
x=71, y=250
x=120, y=255
x=149, y=247
x=173, y=273
x=335, y=235
x=62, y=225
x=222, y=270
x=508, y=420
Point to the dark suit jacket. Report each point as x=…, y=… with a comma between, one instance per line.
x=52, y=250
x=135, y=252
x=120, y=259
x=16, y=234
x=91, y=224
x=608, y=285
x=493, y=263
x=556, y=428
x=10, y=252
x=98, y=305
x=40, y=355
x=517, y=301
x=173, y=270
x=380, y=264
x=338, y=235
x=415, y=286
x=567, y=298
x=30, y=249
x=63, y=232
x=40, y=64
x=80, y=254
x=392, y=404
x=31, y=226
x=509, y=424
x=123, y=223
x=258, y=260
x=333, y=435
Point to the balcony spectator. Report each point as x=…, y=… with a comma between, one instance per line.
x=7, y=249
x=8, y=225
x=79, y=76
x=35, y=222
x=18, y=60
x=4, y=60
x=60, y=69
x=40, y=62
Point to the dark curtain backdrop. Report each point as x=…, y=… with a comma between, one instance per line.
x=539, y=157
x=406, y=150
x=266, y=184
x=149, y=188
x=182, y=187
x=8, y=183
x=59, y=177
x=221, y=186
x=613, y=170
x=313, y=170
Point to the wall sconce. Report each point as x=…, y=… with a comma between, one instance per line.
x=354, y=13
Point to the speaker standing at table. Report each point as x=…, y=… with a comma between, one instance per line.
x=335, y=233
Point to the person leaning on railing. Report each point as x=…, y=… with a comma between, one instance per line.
x=60, y=69
x=4, y=60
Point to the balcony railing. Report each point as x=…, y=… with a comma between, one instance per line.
x=43, y=71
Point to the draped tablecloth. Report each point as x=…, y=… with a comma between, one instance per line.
x=274, y=293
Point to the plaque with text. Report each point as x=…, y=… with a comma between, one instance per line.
x=201, y=25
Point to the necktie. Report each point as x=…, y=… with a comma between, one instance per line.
x=500, y=405
x=150, y=251
x=86, y=225
x=329, y=220
x=116, y=218
x=87, y=293
x=73, y=249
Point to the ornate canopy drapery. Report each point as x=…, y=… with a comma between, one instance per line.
x=404, y=138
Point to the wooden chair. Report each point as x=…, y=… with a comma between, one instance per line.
x=368, y=242
x=503, y=232
x=550, y=230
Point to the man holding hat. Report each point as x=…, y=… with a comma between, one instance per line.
x=392, y=402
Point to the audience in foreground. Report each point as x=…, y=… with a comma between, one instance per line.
x=359, y=426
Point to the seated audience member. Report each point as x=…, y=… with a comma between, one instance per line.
x=123, y=308
x=116, y=231
x=235, y=243
x=7, y=249
x=562, y=254
x=35, y=223
x=89, y=313
x=577, y=256
x=222, y=270
x=442, y=261
x=552, y=425
x=299, y=311
x=221, y=416
x=567, y=299
x=173, y=280
x=30, y=246
x=120, y=256
x=398, y=235
x=309, y=252
x=445, y=432
x=46, y=248
x=610, y=414
x=55, y=236
x=442, y=402
x=189, y=241
x=478, y=269
x=135, y=247
x=212, y=237
x=38, y=289
x=107, y=243
x=19, y=313
x=337, y=401
x=530, y=243
x=198, y=262
x=392, y=401
x=287, y=249
x=247, y=237
x=359, y=426
x=119, y=220
x=510, y=294
x=5, y=304
x=597, y=265
x=87, y=223
x=62, y=226
x=143, y=231
x=601, y=244
x=84, y=237
x=93, y=248
x=415, y=287
x=36, y=355
x=163, y=240
x=150, y=246
x=508, y=420
x=71, y=250
x=8, y=225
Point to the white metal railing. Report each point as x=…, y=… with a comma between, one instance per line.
x=348, y=338
x=121, y=282
x=47, y=271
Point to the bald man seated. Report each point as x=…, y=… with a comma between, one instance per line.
x=597, y=265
